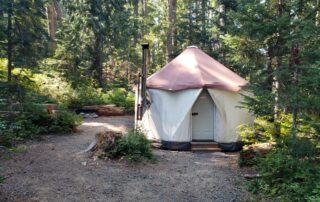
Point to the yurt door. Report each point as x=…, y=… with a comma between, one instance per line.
x=203, y=117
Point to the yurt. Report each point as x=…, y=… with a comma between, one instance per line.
x=194, y=98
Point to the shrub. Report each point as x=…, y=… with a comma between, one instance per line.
x=291, y=171
x=261, y=131
x=87, y=95
x=122, y=98
x=264, y=130
x=135, y=146
x=64, y=121
x=21, y=126
x=34, y=120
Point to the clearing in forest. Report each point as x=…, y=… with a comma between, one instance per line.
x=52, y=169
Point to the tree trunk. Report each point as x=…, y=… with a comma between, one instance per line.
x=275, y=85
x=51, y=18
x=222, y=23
x=96, y=65
x=96, y=68
x=171, y=21
x=9, y=45
x=222, y=20
x=190, y=21
x=294, y=62
x=278, y=53
x=57, y=9
x=318, y=13
x=275, y=90
x=269, y=81
x=53, y=15
x=144, y=8
x=203, y=15
x=136, y=14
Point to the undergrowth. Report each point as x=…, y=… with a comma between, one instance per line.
x=290, y=171
x=134, y=146
x=34, y=120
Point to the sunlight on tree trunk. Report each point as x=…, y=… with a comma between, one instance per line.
x=9, y=45
x=171, y=22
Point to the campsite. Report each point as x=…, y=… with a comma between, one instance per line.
x=177, y=176
x=176, y=100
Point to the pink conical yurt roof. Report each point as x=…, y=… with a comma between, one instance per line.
x=193, y=68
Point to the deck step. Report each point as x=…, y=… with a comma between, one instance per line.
x=205, y=146
x=202, y=142
x=206, y=149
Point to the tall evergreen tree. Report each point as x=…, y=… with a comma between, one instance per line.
x=23, y=37
x=274, y=43
x=91, y=32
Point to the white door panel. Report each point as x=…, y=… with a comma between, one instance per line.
x=203, y=118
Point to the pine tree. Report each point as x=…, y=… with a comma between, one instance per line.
x=274, y=43
x=23, y=35
x=91, y=34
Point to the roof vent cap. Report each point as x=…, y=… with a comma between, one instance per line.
x=192, y=46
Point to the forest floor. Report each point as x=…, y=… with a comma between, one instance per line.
x=54, y=169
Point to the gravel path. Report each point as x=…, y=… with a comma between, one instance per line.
x=53, y=170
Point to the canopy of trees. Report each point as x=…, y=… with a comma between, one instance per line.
x=274, y=44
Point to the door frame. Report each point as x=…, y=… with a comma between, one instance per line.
x=213, y=118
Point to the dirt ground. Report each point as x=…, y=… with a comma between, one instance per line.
x=54, y=169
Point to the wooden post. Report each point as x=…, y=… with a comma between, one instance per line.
x=145, y=51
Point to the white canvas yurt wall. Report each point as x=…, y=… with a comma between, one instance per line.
x=169, y=116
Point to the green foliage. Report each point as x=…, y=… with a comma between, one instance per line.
x=25, y=88
x=194, y=27
x=290, y=172
x=262, y=131
x=64, y=121
x=89, y=95
x=34, y=120
x=102, y=30
x=86, y=95
x=27, y=35
x=122, y=98
x=134, y=146
x=53, y=86
x=50, y=87
x=265, y=130
x=19, y=149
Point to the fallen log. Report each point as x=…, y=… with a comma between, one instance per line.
x=113, y=111
x=96, y=107
x=104, y=110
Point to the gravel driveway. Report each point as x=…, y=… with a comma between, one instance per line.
x=52, y=169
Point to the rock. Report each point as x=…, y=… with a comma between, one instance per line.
x=88, y=115
x=251, y=176
x=219, y=155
